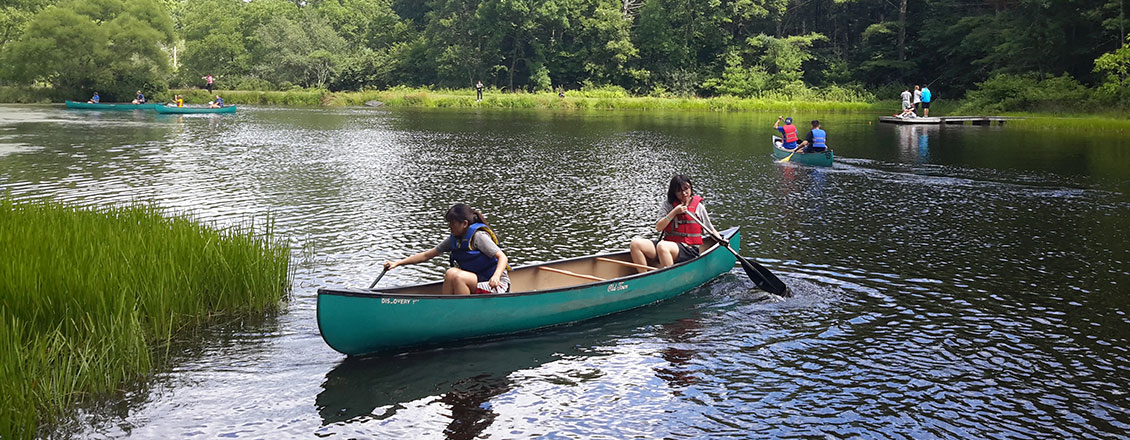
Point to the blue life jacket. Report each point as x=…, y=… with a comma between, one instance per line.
x=463, y=257
x=220, y=102
x=96, y=98
x=140, y=97
x=819, y=139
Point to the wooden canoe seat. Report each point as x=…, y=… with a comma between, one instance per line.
x=625, y=263
x=572, y=274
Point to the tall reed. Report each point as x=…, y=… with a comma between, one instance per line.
x=88, y=296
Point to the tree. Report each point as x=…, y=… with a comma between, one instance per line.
x=79, y=46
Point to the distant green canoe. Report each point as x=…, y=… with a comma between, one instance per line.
x=121, y=106
x=168, y=109
x=823, y=159
x=363, y=321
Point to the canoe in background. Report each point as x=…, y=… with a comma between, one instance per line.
x=362, y=321
x=823, y=159
x=168, y=109
x=118, y=106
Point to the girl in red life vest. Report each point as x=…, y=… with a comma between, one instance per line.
x=680, y=235
x=478, y=265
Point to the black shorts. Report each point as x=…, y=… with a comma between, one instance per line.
x=686, y=251
x=925, y=104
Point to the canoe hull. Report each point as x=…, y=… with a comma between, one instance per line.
x=164, y=109
x=119, y=106
x=824, y=159
x=358, y=321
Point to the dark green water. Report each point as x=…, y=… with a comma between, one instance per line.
x=955, y=282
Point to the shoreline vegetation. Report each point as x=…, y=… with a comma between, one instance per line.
x=93, y=295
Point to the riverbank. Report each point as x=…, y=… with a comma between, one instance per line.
x=92, y=294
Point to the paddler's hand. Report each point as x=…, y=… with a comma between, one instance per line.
x=390, y=264
x=679, y=209
x=495, y=281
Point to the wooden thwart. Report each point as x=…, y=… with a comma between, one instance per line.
x=625, y=263
x=572, y=274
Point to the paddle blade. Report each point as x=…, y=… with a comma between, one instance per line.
x=763, y=278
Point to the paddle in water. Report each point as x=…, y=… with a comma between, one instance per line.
x=379, y=277
x=762, y=277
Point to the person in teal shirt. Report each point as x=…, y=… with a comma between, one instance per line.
x=926, y=97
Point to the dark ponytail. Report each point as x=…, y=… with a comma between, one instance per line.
x=465, y=213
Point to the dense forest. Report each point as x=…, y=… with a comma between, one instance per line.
x=1023, y=54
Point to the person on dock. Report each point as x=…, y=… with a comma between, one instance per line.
x=927, y=96
x=479, y=266
x=218, y=103
x=140, y=98
x=917, y=99
x=94, y=99
x=788, y=132
x=680, y=235
x=907, y=107
x=479, y=91
x=816, y=141
x=208, y=82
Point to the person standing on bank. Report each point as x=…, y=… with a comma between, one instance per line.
x=788, y=132
x=479, y=91
x=479, y=266
x=208, y=79
x=680, y=235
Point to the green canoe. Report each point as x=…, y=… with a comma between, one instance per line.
x=817, y=159
x=362, y=321
x=168, y=109
x=120, y=106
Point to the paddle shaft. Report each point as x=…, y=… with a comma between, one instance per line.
x=756, y=273
x=379, y=277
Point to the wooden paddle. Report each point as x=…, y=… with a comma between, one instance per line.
x=762, y=277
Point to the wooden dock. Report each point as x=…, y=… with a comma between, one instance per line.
x=949, y=120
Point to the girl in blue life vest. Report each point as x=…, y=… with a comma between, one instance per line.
x=479, y=266
x=680, y=235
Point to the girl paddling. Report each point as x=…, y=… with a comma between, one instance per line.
x=479, y=266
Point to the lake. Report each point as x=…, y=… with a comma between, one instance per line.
x=955, y=282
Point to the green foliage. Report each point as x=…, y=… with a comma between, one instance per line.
x=1115, y=68
x=80, y=46
x=89, y=293
x=1030, y=92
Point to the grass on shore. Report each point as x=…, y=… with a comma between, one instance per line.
x=89, y=295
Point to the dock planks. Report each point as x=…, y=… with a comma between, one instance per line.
x=949, y=120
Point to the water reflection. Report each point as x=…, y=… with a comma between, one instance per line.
x=914, y=141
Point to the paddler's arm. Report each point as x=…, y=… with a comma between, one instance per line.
x=662, y=223
x=502, y=262
x=415, y=258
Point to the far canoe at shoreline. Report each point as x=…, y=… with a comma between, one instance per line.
x=166, y=109
x=120, y=106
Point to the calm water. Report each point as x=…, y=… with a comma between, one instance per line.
x=957, y=282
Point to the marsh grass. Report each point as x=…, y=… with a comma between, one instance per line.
x=88, y=296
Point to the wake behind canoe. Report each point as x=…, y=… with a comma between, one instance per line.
x=362, y=321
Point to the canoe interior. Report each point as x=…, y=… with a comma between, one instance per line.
x=824, y=158
x=547, y=276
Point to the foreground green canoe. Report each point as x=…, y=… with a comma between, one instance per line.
x=168, y=109
x=121, y=106
x=362, y=321
x=817, y=159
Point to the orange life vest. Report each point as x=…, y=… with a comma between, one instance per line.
x=790, y=133
x=683, y=229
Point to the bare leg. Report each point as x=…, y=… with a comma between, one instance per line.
x=668, y=251
x=459, y=282
x=642, y=250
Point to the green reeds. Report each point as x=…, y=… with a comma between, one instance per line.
x=88, y=296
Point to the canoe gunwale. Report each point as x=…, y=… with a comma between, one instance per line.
x=379, y=293
x=781, y=153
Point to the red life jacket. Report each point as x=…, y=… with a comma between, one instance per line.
x=683, y=229
x=790, y=133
